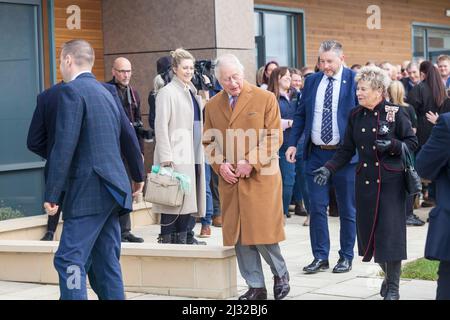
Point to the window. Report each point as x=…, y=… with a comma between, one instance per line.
x=21, y=172
x=276, y=36
x=429, y=42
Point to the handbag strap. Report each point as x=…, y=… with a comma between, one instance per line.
x=406, y=156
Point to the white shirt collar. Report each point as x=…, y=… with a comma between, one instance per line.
x=79, y=73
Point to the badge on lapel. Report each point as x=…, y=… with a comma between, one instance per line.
x=391, y=111
x=384, y=128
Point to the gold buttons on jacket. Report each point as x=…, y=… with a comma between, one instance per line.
x=377, y=164
x=365, y=165
x=374, y=130
x=367, y=182
x=363, y=130
x=375, y=114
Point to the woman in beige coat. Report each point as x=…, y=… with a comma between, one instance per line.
x=178, y=130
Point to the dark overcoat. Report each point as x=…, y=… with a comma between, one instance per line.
x=380, y=188
x=433, y=163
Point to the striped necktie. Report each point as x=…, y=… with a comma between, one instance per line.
x=326, y=132
x=233, y=100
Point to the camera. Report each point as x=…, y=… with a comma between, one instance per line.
x=141, y=132
x=203, y=68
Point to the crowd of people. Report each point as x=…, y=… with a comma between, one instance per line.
x=306, y=140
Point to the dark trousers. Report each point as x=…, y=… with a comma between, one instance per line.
x=90, y=243
x=125, y=224
x=443, y=283
x=215, y=193
x=409, y=205
x=173, y=223
x=344, y=183
x=288, y=177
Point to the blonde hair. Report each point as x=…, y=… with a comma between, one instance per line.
x=396, y=92
x=259, y=76
x=377, y=77
x=180, y=54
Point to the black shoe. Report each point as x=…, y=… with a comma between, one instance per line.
x=413, y=220
x=300, y=210
x=316, y=266
x=288, y=215
x=129, y=237
x=192, y=240
x=48, y=236
x=343, y=265
x=427, y=204
x=281, y=286
x=254, y=294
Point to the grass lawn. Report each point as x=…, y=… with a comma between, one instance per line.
x=421, y=269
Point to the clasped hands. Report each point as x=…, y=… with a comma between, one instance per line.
x=232, y=175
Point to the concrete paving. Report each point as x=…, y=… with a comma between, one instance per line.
x=362, y=283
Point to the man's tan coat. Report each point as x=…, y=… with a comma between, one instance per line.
x=251, y=208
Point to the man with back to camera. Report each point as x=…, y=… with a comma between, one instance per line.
x=87, y=164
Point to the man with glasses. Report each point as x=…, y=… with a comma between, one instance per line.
x=242, y=135
x=131, y=103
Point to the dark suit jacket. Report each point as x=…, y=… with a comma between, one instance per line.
x=408, y=87
x=86, y=157
x=303, y=119
x=133, y=111
x=433, y=163
x=41, y=134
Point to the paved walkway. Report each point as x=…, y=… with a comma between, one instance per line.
x=362, y=283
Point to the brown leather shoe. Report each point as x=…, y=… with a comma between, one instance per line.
x=254, y=294
x=281, y=286
x=205, y=232
x=217, y=221
x=300, y=209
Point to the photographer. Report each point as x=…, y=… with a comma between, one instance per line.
x=131, y=103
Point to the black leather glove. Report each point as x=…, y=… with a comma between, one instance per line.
x=383, y=145
x=321, y=176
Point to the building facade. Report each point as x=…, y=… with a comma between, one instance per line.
x=289, y=31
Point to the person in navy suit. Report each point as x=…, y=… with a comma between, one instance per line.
x=41, y=136
x=322, y=115
x=433, y=163
x=86, y=163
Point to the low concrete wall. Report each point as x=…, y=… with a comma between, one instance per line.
x=164, y=269
x=33, y=228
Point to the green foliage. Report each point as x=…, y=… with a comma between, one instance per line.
x=421, y=269
x=9, y=213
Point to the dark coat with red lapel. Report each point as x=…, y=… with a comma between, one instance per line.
x=380, y=188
